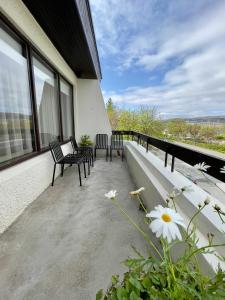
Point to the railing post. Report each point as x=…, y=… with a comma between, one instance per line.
x=172, y=165
x=166, y=158
x=147, y=146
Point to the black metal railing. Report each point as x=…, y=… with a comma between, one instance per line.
x=189, y=156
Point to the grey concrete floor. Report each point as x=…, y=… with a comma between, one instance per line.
x=70, y=241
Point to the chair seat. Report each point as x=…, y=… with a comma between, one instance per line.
x=116, y=146
x=84, y=149
x=100, y=147
x=72, y=158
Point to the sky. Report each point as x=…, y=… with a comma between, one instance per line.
x=168, y=54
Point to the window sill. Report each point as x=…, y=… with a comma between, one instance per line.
x=20, y=159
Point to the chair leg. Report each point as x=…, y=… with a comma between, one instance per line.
x=89, y=163
x=79, y=174
x=53, y=176
x=111, y=154
x=85, y=175
x=92, y=158
x=106, y=154
x=122, y=154
x=62, y=170
x=95, y=153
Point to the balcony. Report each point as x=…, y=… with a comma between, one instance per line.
x=67, y=235
x=74, y=236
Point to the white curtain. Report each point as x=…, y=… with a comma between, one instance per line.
x=47, y=103
x=15, y=105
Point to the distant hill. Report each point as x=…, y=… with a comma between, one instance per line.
x=206, y=119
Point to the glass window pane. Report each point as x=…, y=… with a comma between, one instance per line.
x=67, y=109
x=47, y=103
x=16, y=126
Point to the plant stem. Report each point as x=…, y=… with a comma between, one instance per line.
x=221, y=217
x=194, y=216
x=203, y=248
x=116, y=202
x=174, y=205
x=141, y=203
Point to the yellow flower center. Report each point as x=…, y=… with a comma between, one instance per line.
x=166, y=218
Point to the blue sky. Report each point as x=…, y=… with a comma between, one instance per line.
x=166, y=54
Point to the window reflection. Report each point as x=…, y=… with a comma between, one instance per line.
x=16, y=126
x=67, y=109
x=47, y=103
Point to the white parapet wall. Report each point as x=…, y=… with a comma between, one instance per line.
x=91, y=112
x=148, y=170
x=23, y=183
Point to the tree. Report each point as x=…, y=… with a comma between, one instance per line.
x=208, y=132
x=112, y=113
x=110, y=107
x=147, y=121
x=127, y=120
x=177, y=127
x=194, y=130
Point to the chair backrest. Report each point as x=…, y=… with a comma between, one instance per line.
x=56, y=151
x=117, y=141
x=101, y=141
x=73, y=143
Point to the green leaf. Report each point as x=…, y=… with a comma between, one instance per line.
x=146, y=282
x=115, y=279
x=134, y=296
x=136, y=283
x=99, y=295
x=121, y=293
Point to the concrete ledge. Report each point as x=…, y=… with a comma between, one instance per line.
x=148, y=170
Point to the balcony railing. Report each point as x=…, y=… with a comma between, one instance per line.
x=189, y=156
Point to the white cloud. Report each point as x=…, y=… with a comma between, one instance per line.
x=187, y=39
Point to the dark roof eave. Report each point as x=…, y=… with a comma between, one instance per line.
x=62, y=22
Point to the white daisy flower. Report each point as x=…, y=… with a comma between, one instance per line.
x=201, y=166
x=137, y=191
x=222, y=170
x=165, y=223
x=111, y=194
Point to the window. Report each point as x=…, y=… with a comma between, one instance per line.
x=67, y=109
x=16, y=124
x=30, y=93
x=47, y=103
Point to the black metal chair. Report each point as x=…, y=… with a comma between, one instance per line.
x=102, y=143
x=70, y=159
x=87, y=152
x=116, y=144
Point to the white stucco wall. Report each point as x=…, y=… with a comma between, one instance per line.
x=23, y=183
x=91, y=113
x=148, y=170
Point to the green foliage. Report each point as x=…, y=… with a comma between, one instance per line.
x=177, y=127
x=150, y=279
x=161, y=277
x=110, y=107
x=85, y=141
x=220, y=137
x=208, y=132
x=144, y=119
x=112, y=113
x=211, y=146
